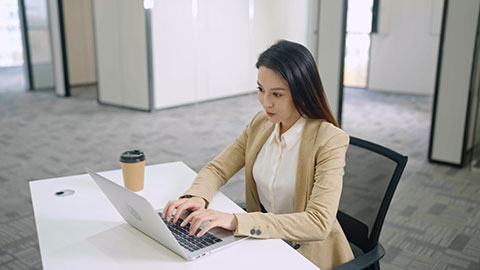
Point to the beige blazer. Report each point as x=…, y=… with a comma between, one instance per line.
x=313, y=228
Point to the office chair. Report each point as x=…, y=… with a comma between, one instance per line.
x=371, y=176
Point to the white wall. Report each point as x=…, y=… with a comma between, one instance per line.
x=403, y=56
x=79, y=39
x=280, y=19
x=120, y=43
x=208, y=49
x=454, y=83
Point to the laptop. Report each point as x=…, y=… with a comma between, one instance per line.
x=140, y=214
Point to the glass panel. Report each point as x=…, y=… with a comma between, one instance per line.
x=357, y=43
x=11, y=48
x=359, y=16
x=357, y=50
x=36, y=13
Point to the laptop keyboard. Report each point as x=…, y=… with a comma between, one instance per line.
x=191, y=243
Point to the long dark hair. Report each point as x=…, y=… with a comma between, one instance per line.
x=297, y=66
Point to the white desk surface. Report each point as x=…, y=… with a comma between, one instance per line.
x=84, y=231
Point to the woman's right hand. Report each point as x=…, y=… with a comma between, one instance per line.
x=193, y=204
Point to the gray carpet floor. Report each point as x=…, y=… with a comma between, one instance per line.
x=12, y=79
x=433, y=222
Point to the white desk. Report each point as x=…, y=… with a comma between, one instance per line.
x=84, y=231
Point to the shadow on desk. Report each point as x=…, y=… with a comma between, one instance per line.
x=125, y=243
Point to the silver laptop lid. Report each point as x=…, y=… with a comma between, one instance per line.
x=138, y=212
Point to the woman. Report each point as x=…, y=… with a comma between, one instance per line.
x=293, y=153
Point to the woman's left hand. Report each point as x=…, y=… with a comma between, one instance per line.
x=216, y=219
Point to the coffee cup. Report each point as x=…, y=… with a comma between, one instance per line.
x=133, y=169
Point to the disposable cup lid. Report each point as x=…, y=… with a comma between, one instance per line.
x=132, y=156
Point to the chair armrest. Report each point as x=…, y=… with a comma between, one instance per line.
x=364, y=260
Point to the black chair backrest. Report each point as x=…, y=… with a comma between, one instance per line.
x=371, y=176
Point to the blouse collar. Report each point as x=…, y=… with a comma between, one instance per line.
x=291, y=137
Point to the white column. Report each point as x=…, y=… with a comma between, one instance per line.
x=330, y=49
x=57, y=53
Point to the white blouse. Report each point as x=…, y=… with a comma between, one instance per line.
x=275, y=168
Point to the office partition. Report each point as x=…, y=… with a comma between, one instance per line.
x=153, y=55
x=450, y=122
x=204, y=50
x=120, y=40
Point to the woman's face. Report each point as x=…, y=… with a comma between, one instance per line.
x=276, y=98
